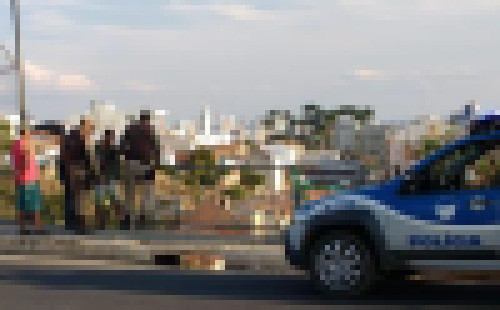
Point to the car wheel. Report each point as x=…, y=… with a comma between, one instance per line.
x=342, y=264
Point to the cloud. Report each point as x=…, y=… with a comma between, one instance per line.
x=44, y=77
x=367, y=74
x=402, y=10
x=53, y=3
x=137, y=85
x=239, y=12
x=243, y=12
x=49, y=20
x=460, y=7
x=75, y=82
x=451, y=72
x=417, y=74
x=38, y=73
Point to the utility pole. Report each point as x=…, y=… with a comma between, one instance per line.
x=19, y=61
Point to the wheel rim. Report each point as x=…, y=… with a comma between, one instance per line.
x=340, y=265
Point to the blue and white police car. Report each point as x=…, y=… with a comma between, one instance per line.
x=443, y=213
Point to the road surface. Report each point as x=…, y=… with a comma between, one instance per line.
x=51, y=289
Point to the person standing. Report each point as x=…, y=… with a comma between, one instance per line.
x=27, y=181
x=77, y=174
x=67, y=153
x=140, y=147
x=108, y=177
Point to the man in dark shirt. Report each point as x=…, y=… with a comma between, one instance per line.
x=107, y=187
x=140, y=147
x=76, y=173
x=108, y=157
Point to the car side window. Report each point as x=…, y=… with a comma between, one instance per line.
x=447, y=173
x=484, y=172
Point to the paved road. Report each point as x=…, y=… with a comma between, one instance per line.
x=42, y=289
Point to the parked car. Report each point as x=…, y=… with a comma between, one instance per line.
x=443, y=213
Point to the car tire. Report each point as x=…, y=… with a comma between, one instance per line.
x=342, y=263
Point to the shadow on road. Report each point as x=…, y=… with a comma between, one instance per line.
x=279, y=288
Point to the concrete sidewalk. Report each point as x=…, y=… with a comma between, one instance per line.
x=143, y=250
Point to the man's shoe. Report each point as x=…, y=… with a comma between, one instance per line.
x=125, y=224
x=140, y=223
x=82, y=231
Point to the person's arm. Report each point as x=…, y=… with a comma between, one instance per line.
x=13, y=159
x=100, y=165
x=124, y=146
x=92, y=166
x=116, y=163
x=60, y=159
x=157, y=151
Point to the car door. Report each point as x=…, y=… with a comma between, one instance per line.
x=455, y=205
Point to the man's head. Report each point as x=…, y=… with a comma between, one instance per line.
x=145, y=118
x=25, y=133
x=109, y=137
x=87, y=129
x=87, y=126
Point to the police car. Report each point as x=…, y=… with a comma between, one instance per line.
x=443, y=213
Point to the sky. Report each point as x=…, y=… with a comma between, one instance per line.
x=404, y=58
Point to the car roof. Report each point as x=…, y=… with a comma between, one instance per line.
x=485, y=123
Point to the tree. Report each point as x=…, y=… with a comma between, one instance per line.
x=318, y=124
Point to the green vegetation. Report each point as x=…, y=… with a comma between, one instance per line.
x=204, y=171
x=428, y=145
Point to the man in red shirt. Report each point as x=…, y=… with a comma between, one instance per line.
x=27, y=178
